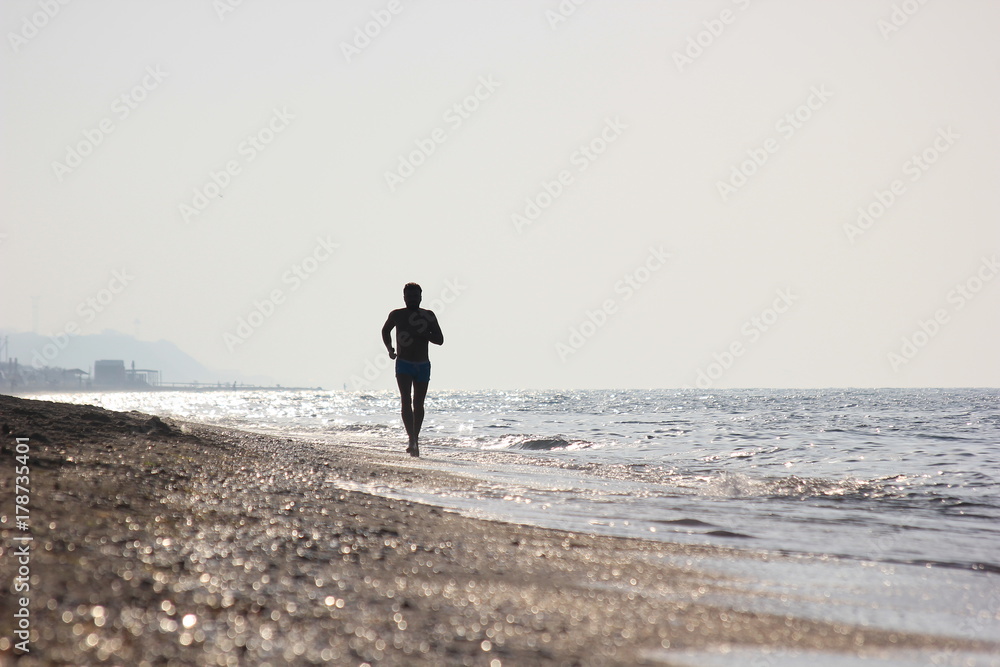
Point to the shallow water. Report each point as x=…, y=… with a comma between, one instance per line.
x=900, y=487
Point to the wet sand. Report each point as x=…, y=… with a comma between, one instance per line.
x=167, y=543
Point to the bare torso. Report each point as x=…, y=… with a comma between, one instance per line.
x=415, y=327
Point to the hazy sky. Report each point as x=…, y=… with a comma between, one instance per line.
x=628, y=194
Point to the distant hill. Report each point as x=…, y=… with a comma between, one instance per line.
x=174, y=364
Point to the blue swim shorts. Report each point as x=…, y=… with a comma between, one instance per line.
x=420, y=371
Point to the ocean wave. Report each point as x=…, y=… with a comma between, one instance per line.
x=523, y=443
x=359, y=428
x=542, y=444
x=739, y=485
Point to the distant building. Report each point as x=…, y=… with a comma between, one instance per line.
x=109, y=373
x=142, y=377
x=29, y=378
x=75, y=378
x=112, y=373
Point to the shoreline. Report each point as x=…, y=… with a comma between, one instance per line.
x=158, y=541
x=31, y=392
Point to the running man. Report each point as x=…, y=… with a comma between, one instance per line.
x=415, y=327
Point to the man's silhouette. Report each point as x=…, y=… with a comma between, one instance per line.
x=415, y=327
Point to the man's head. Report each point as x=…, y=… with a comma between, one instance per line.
x=412, y=295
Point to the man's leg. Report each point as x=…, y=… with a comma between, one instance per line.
x=405, y=382
x=419, y=394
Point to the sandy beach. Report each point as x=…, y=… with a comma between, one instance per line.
x=158, y=542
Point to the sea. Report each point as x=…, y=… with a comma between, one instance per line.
x=878, y=507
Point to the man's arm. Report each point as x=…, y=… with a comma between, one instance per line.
x=434, y=334
x=387, y=328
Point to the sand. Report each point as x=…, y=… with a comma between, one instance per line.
x=157, y=542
